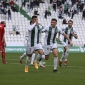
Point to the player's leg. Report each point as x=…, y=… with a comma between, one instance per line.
x=32, y=58
x=27, y=62
x=46, y=54
x=55, y=53
x=66, y=55
x=3, y=55
x=39, y=48
x=29, y=51
x=63, y=55
x=21, y=57
x=41, y=64
x=39, y=59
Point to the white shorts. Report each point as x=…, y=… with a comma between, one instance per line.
x=65, y=44
x=29, y=49
x=49, y=48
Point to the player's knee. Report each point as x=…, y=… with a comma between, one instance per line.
x=41, y=52
x=55, y=54
x=66, y=48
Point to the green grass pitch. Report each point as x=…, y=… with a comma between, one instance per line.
x=13, y=72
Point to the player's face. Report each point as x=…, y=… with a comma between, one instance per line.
x=53, y=23
x=35, y=20
x=70, y=24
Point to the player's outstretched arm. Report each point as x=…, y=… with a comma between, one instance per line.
x=45, y=29
x=75, y=35
x=68, y=39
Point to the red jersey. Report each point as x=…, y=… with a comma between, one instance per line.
x=2, y=32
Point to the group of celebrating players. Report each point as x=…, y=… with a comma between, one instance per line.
x=34, y=44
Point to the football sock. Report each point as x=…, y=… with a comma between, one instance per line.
x=39, y=57
x=27, y=61
x=24, y=55
x=3, y=57
x=62, y=57
x=33, y=57
x=55, y=62
x=66, y=55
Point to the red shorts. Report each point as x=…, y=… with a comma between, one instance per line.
x=1, y=46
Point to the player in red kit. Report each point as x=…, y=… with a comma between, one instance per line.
x=2, y=41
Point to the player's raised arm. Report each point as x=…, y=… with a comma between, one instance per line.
x=34, y=22
x=31, y=26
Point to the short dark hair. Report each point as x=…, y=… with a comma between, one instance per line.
x=70, y=21
x=2, y=22
x=34, y=17
x=53, y=19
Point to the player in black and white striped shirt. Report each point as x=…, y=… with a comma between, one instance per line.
x=71, y=32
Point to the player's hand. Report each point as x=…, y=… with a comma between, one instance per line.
x=36, y=22
x=72, y=33
x=71, y=44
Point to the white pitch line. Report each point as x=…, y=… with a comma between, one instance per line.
x=68, y=66
x=14, y=59
x=52, y=65
x=46, y=65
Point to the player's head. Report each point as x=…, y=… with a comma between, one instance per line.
x=4, y=23
x=70, y=23
x=53, y=22
x=34, y=19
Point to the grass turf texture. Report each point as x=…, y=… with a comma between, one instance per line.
x=13, y=72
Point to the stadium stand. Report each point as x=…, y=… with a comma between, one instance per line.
x=22, y=18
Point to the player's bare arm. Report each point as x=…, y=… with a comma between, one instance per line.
x=68, y=39
x=75, y=35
